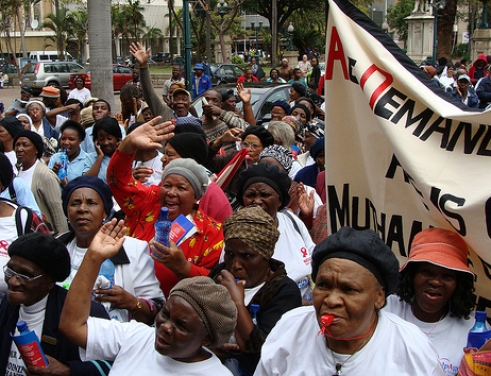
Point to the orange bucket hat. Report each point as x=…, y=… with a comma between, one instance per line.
x=440, y=247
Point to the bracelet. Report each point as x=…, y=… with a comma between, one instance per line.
x=149, y=302
x=137, y=306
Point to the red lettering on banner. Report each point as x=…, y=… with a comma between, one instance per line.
x=381, y=88
x=336, y=52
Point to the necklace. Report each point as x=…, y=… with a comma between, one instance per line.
x=432, y=328
x=340, y=365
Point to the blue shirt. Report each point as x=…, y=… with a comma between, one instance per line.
x=88, y=142
x=24, y=196
x=104, y=164
x=79, y=166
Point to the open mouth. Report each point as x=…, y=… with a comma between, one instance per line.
x=432, y=295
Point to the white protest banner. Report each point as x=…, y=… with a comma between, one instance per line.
x=401, y=154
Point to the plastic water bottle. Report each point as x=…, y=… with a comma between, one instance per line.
x=162, y=227
x=254, y=310
x=107, y=270
x=29, y=347
x=479, y=333
x=63, y=169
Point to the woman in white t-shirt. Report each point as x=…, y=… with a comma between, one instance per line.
x=197, y=313
x=80, y=92
x=436, y=293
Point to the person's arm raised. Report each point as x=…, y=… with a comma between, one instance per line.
x=76, y=310
x=147, y=136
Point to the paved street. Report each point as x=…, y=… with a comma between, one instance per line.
x=7, y=95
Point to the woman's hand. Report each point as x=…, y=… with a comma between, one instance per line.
x=226, y=351
x=172, y=257
x=306, y=202
x=117, y=296
x=137, y=51
x=244, y=95
x=148, y=136
x=142, y=173
x=55, y=368
x=108, y=241
x=236, y=289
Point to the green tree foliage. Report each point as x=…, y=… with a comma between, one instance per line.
x=396, y=15
x=61, y=23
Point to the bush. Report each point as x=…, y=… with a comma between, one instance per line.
x=461, y=50
x=237, y=60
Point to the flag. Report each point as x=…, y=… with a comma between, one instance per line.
x=401, y=154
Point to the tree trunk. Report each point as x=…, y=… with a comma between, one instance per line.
x=99, y=31
x=446, y=21
x=22, y=32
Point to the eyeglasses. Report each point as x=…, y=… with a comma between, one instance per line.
x=9, y=273
x=249, y=146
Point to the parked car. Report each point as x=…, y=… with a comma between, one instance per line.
x=162, y=57
x=225, y=73
x=39, y=75
x=263, y=95
x=121, y=75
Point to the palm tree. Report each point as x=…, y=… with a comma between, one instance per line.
x=80, y=29
x=118, y=29
x=152, y=37
x=61, y=24
x=133, y=16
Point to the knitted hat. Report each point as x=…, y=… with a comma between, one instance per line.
x=92, y=182
x=189, y=124
x=363, y=247
x=213, y=304
x=299, y=88
x=12, y=125
x=440, y=247
x=35, y=138
x=190, y=145
x=45, y=251
x=317, y=147
x=193, y=172
x=255, y=228
x=303, y=107
x=6, y=171
x=260, y=132
x=50, y=92
x=268, y=174
x=281, y=154
x=283, y=104
x=35, y=101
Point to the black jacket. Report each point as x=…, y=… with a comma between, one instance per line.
x=52, y=341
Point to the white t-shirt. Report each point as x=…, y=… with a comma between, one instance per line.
x=8, y=233
x=396, y=348
x=131, y=346
x=137, y=277
x=449, y=336
x=156, y=165
x=26, y=175
x=81, y=95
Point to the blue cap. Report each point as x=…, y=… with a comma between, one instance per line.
x=199, y=66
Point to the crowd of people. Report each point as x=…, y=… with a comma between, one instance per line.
x=248, y=290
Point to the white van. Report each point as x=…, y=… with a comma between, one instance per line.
x=45, y=56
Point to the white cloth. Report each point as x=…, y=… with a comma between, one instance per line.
x=156, y=165
x=396, y=348
x=26, y=175
x=448, y=336
x=8, y=233
x=131, y=346
x=294, y=248
x=13, y=160
x=137, y=277
x=81, y=95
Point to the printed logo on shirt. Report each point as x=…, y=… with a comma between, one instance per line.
x=305, y=255
x=448, y=367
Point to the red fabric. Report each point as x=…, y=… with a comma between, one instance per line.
x=320, y=186
x=241, y=78
x=141, y=205
x=215, y=203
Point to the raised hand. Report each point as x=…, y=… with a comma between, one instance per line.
x=142, y=56
x=148, y=136
x=244, y=95
x=108, y=241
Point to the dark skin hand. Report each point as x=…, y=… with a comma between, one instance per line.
x=172, y=257
x=54, y=368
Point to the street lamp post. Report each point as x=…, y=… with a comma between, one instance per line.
x=260, y=28
x=291, y=29
x=440, y=4
x=484, y=18
x=187, y=44
x=253, y=24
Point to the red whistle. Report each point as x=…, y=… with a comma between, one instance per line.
x=325, y=321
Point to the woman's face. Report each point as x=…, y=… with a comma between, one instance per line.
x=70, y=141
x=308, y=105
x=179, y=331
x=177, y=194
x=274, y=74
x=25, y=151
x=263, y=195
x=277, y=113
x=5, y=137
x=36, y=112
x=25, y=122
x=245, y=263
x=255, y=146
x=86, y=212
x=107, y=142
x=450, y=72
x=169, y=155
x=300, y=115
x=434, y=286
x=351, y=293
x=79, y=83
x=230, y=104
x=294, y=95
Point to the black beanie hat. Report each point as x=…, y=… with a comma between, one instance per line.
x=6, y=171
x=45, y=251
x=260, y=132
x=93, y=182
x=268, y=174
x=190, y=145
x=35, y=138
x=12, y=125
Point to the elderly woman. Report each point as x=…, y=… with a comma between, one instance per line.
x=253, y=277
x=37, y=112
x=43, y=182
x=25, y=120
x=267, y=186
x=79, y=162
x=198, y=313
x=184, y=183
x=279, y=109
x=436, y=293
x=87, y=202
x=347, y=332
